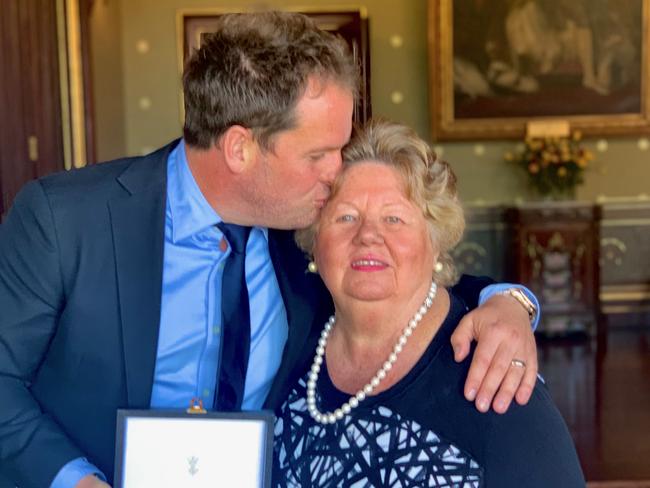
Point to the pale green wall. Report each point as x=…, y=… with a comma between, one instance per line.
x=108, y=73
x=622, y=170
x=156, y=75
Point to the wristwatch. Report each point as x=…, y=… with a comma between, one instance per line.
x=523, y=300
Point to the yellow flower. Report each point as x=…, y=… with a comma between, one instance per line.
x=582, y=162
x=561, y=171
x=533, y=168
x=577, y=135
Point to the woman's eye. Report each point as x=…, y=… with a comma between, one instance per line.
x=391, y=219
x=345, y=218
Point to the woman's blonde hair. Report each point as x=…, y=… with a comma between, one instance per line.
x=429, y=182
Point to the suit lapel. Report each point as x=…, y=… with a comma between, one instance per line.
x=138, y=224
x=307, y=302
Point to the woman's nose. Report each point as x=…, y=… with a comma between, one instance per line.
x=369, y=232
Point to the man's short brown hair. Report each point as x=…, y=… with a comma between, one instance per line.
x=253, y=70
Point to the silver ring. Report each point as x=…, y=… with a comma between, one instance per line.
x=518, y=363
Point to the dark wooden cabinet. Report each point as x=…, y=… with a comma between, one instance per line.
x=555, y=253
x=566, y=251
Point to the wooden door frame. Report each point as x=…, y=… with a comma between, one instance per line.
x=77, y=108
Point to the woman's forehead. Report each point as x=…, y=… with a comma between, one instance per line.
x=370, y=175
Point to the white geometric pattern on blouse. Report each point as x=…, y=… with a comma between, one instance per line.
x=365, y=449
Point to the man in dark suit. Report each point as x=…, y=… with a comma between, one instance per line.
x=110, y=276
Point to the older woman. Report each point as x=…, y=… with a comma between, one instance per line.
x=382, y=403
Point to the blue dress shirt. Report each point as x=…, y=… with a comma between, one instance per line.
x=189, y=339
x=190, y=335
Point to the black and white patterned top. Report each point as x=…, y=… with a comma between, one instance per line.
x=423, y=433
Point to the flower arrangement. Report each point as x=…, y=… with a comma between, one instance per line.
x=554, y=165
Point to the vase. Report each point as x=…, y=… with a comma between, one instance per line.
x=556, y=194
x=564, y=194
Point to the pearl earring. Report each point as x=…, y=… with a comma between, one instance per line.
x=312, y=268
x=438, y=267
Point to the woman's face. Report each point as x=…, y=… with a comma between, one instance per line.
x=373, y=242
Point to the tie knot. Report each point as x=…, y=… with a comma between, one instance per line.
x=237, y=236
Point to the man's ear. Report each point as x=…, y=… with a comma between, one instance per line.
x=239, y=148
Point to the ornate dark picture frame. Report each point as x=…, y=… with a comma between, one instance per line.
x=497, y=64
x=351, y=23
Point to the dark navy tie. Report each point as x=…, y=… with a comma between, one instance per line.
x=236, y=326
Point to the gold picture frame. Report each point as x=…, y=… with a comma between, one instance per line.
x=595, y=76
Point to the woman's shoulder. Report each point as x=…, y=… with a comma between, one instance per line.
x=531, y=445
x=516, y=448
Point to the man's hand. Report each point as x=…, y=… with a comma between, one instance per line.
x=91, y=481
x=503, y=331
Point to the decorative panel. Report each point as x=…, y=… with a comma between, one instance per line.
x=556, y=256
x=485, y=248
x=625, y=257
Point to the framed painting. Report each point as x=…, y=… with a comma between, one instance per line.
x=497, y=64
x=351, y=23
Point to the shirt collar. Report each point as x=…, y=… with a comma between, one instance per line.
x=190, y=211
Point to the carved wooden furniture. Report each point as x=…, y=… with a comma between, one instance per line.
x=555, y=253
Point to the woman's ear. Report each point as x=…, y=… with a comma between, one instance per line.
x=239, y=148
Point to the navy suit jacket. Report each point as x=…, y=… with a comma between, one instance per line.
x=81, y=261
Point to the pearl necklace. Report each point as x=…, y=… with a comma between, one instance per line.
x=353, y=402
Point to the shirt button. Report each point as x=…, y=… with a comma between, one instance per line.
x=223, y=244
x=216, y=329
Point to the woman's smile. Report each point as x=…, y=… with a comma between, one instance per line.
x=369, y=263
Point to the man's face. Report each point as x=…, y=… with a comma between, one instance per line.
x=290, y=183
